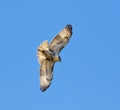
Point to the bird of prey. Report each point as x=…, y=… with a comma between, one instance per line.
x=48, y=54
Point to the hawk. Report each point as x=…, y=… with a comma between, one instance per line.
x=48, y=54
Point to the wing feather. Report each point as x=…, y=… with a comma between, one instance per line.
x=46, y=74
x=61, y=39
x=46, y=54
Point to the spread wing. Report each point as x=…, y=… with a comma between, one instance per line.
x=61, y=39
x=46, y=68
x=45, y=55
x=46, y=74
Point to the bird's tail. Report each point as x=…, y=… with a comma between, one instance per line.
x=44, y=46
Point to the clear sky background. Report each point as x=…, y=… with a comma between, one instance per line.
x=88, y=78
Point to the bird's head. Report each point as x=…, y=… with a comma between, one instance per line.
x=57, y=58
x=60, y=59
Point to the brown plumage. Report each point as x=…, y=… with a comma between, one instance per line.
x=48, y=54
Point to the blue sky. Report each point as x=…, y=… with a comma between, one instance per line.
x=88, y=78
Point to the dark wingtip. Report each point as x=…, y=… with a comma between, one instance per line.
x=44, y=88
x=69, y=27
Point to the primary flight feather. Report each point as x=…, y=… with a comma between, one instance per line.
x=48, y=54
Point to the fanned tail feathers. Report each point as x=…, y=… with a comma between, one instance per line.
x=42, y=47
x=48, y=54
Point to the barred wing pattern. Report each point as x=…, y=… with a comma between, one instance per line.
x=46, y=54
x=61, y=40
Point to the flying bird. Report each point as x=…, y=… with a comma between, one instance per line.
x=48, y=54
